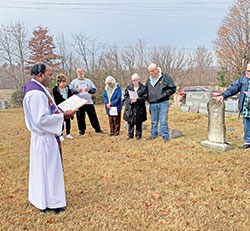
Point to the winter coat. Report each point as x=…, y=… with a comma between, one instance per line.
x=135, y=112
x=240, y=85
x=58, y=96
x=162, y=90
x=116, y=99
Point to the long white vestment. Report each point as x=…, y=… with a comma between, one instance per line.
x=46, y=180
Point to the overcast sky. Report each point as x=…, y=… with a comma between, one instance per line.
x=188, y=23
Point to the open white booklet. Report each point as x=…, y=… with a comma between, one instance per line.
x=133, y=94
x=72, y=103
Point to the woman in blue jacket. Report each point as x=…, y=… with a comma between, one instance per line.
x=112, y=98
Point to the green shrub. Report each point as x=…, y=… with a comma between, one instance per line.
x=17, y=98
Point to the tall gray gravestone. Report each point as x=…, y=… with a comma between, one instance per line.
x=216, y=127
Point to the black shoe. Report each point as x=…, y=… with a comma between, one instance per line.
x=59, y=210
x=244, y=146
x=138, y=137
x=101, y=131
x=111, y=134
x=130, y=138
x=45, y=210
x=81, y=132
x=150, y=138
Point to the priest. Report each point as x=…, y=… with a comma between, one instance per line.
x=44, y=120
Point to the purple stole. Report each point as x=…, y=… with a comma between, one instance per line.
x=32, y=85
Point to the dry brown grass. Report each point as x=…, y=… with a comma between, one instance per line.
x=115, y=184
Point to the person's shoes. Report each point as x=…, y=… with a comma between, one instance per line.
x=130, y=138
x=61, y=138
x=45, y=210
x=116, y=134
x=138, y=137
x=111, y=134
x=59, y=210
x=101, y=131
x=166, y=140
x=69, y=136
x=244, y=146
x=150, y=138
x=81, y=132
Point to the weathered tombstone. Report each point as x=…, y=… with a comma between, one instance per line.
x=194, y=109
x=196, y=102
x=216, y=127
x=175, y=133
x=4, y=104
x=177, y=100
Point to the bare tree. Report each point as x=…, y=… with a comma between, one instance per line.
x=87, y=49
x=171, y=60
x=203, y=60
x=13, y=52
x=112, y=63
x=233, y=43
x=67, y=61
x=141, y=59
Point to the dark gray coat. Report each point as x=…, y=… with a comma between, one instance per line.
x=162, y=90
x=135, y=112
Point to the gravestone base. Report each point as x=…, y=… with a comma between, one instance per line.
x=185, y=108
x=216, y=146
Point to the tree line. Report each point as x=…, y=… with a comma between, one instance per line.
x=19, y=50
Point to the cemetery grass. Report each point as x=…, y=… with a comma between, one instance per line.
x=117, y=184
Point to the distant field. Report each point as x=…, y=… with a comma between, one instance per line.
x=115, y=184
x=6, y=94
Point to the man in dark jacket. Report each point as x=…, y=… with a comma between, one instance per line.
x=241, y=85
x=160, y=87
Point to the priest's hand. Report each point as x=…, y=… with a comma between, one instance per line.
x=68, y=114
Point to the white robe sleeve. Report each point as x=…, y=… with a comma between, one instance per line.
x=37, y=106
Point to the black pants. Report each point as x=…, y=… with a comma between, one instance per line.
x=67, y=122
x=80, y=114
x=138, y=130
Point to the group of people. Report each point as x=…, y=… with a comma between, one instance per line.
x=45, y=120
x=157, y=90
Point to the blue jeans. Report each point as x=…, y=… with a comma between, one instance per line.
x=159, y=112
x=246, y=123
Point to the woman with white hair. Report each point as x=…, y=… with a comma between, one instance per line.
x=112, y=98
x=135, y=109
